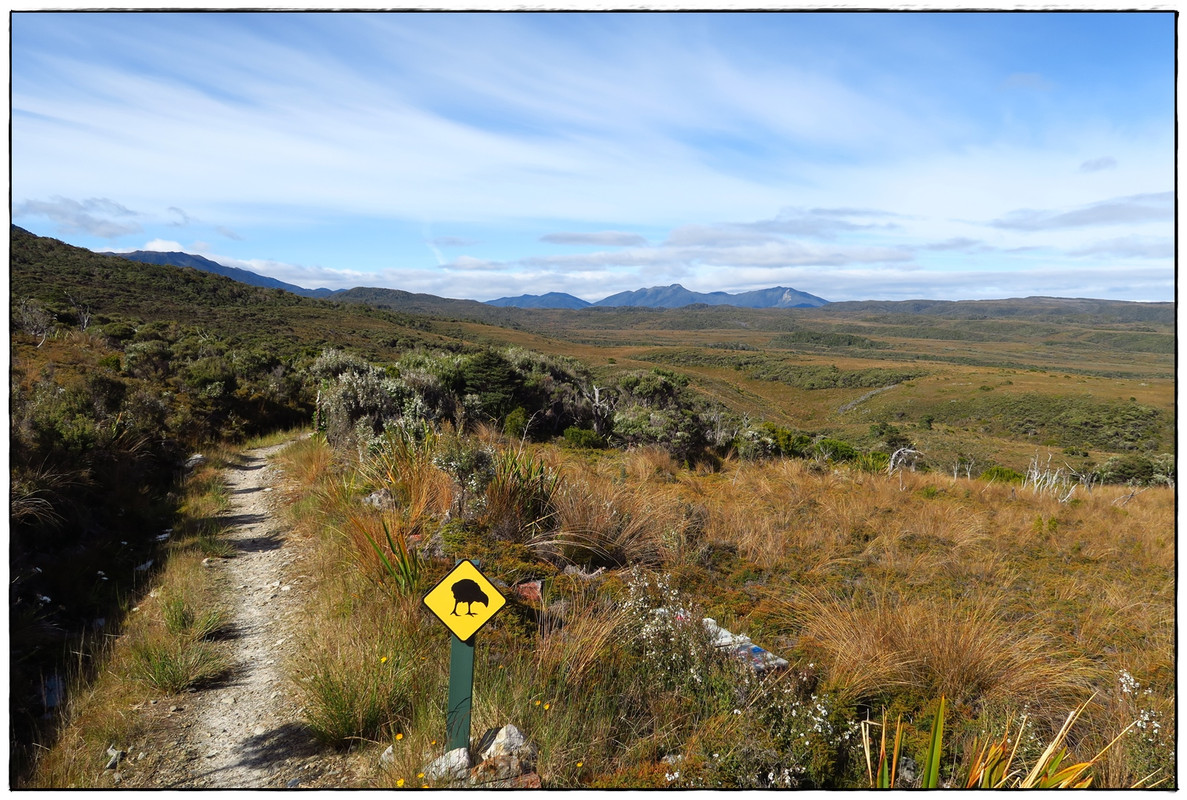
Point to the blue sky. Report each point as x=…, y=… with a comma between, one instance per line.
x=849, y=155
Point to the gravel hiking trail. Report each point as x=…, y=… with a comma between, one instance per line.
x=246, y=731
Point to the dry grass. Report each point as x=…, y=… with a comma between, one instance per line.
x=965, y=651
x=898, y=589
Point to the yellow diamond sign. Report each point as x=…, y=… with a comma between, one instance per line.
x=464, y=600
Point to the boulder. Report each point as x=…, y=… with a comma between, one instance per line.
x=529, y=591
x=508, y=760
x=453, y=766
x=510, y=741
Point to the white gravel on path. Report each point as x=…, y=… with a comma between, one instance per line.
x=247, y=731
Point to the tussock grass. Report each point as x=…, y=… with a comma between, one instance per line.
x=881, y=590
x=174, y=664
x=965, y=651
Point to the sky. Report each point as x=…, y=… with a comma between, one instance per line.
x=853, y=156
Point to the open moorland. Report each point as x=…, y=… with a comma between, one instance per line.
x=905, y=501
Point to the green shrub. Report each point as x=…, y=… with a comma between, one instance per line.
x=584, y=439
x=1002, y=475
x=516, y=424
x=874, y=462
x=834, y=450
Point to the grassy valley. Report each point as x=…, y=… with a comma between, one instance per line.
x=907, y=501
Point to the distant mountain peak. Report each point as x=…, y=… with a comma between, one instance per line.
x=676, y=296
x=206, y=265
x=549, y=300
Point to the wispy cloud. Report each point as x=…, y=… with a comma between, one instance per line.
x=662, y=142
x=1158, y=207
x=96, y=216
x=1130, y=247
x=452, y=241
x=961, y=243
x=468, y=264
x=1028, y=80
x=820, y=222
x=1098, y=164
x=600, y=239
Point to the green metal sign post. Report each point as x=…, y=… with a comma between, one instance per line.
x=463, y=588
x=461, y=690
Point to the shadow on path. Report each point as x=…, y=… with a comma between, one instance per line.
x=260, y=751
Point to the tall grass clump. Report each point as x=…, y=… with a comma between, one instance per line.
x=967, y=651
x=175, y=663
x=350, y=695
x=519, y=497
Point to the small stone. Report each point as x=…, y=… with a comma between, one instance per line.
x=259, y=730
x=286, y=588
x=453, y=766
x=116, y=757
x=117, y=778
x=389, y=755
x=176, y=708
x=141, y=755
x=293, y=784
x=510, y=741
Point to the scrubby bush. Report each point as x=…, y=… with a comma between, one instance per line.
x=1138, y=470
x=584, y=439
x=834, y=449
x=1002, y=475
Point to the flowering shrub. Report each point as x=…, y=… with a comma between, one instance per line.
x=814, y=733
x=1149, y=747
x=677, y=654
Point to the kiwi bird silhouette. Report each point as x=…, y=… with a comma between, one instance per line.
x=468, y=592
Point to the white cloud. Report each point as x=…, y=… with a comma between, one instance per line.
x=1130, y=247
x=1157, y=207
x=1097, y=164
x=94, y=217
x=600, y=238
x=165, y=246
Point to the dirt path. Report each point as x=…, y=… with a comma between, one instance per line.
x=247, y=732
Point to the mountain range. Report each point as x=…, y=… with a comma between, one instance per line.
x=674, y=296
x=206, y=265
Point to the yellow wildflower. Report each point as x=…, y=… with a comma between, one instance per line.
x=383, y=660
x=399, y=736
x=580, y=764
x=420, y=774
x=400, y=782
x=546, y=706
